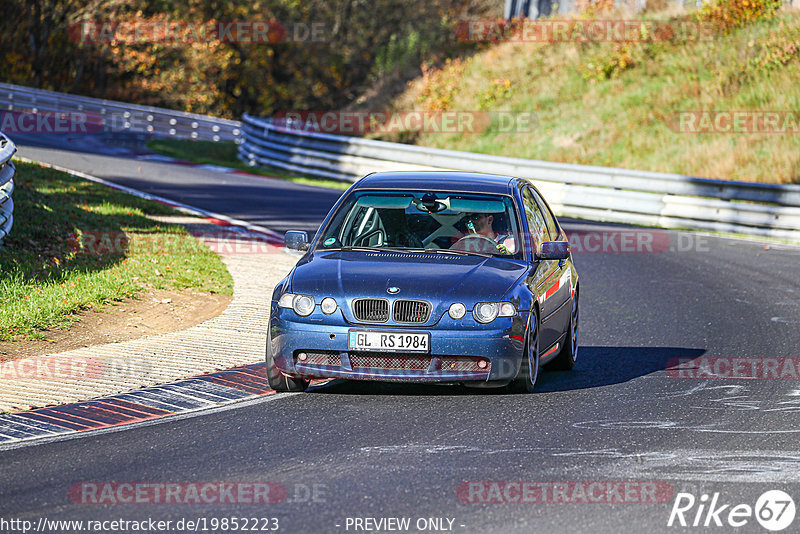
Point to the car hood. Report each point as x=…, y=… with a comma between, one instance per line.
x=438, y=278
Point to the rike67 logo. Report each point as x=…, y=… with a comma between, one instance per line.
x=774, y=510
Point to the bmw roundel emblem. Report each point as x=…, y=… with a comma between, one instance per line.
x=393, y=290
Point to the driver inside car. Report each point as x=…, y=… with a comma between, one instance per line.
x=481, y=224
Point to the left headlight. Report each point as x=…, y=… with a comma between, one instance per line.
x=486, y=312
x=303, y=305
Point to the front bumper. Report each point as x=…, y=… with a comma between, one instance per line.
x=455, y=353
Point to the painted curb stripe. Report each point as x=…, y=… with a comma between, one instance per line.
x=10, y=431
x=241, y=381
x=179, y=402
x=95, y=413
x=126, y=410
x=31, y=423
x=149, y=403
x=54, y=421
x=197, y=393
x=214, y=389
x=146, y=410
x=69, y=418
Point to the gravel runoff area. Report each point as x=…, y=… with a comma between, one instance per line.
x=235, y=337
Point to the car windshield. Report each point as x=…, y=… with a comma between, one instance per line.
x=459, y=223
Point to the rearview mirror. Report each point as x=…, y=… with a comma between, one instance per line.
x=553, y=250
x=296, y=240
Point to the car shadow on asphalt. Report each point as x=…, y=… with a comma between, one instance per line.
x=596, y=366
x=605, y=366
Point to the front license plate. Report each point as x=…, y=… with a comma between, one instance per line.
x=389, y=341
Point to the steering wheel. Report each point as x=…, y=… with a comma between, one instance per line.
x=475, y=243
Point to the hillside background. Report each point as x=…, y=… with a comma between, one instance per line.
x=599, y=103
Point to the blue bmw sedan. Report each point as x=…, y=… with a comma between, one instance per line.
x=446, y=277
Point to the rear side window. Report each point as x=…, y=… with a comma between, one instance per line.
x=549, y=220
x=536, y=222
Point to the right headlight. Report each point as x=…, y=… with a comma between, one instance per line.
x=486, y=312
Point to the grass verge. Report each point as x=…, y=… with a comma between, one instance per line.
x=224, y=154
x=48, y=273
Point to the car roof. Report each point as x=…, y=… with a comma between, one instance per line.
x=471, y=182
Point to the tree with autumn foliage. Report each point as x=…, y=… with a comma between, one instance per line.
x=59, y=45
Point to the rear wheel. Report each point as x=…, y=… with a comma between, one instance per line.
x=569, y=353
x=529, y=367
x=279, y=381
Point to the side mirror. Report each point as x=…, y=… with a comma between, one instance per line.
x=296, y=240
x=553, y=250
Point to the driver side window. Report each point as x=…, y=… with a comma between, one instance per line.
x=536, y=224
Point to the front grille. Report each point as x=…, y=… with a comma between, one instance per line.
x=411, y=311
x=317, y=358
x=379, y=360
x=371, y=310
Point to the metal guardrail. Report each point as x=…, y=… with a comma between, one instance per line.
x=587, y=192
x=7, y=171
x=119, y=116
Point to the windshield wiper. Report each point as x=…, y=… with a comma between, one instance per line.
x=453, y=252
x=361, y=249
x=404, y=250
x=417, y=251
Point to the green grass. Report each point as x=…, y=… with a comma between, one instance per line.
x=224, y=154
x=624, y=116
x=46, y=273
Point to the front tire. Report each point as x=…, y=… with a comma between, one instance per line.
x=525, y=381
x=566, y=359
x=279, y=381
